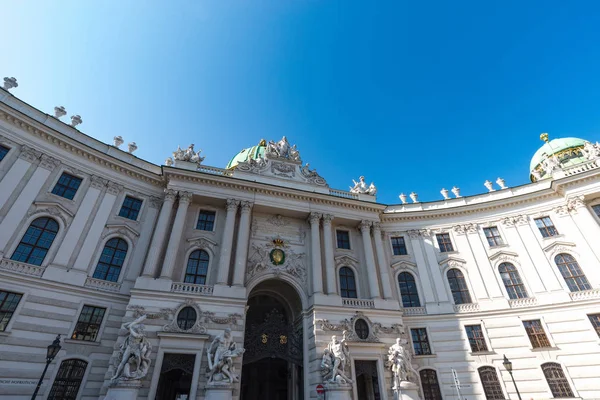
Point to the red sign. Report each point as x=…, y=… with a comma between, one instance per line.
x=320, y=389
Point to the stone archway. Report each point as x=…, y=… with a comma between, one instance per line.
x=273, y=339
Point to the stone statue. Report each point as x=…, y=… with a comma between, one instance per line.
x=591, y=151
x=399, y=362
x=536, y=174
x=188, y=155
x=134, y=355
x=221, y=353
x=362, y=188
x=282, y=149
x=550, y=164
x=336, y=357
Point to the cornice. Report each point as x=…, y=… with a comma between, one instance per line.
x=79, y=149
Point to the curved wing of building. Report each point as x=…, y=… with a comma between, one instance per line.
x=260, y=281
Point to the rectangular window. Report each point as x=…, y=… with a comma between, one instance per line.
x=3, y=152
x=493, y=237
x=399, y=246
x=444, y=242
x=88, y=324
x=8, y=304
x=130, y=208
x=343, y=239
x=546, y=226
x=206, y=220
x=596, y=209
x=420, y=341
x=476, y=338
x=67, y=186
x=595, y=320
x=536, y=334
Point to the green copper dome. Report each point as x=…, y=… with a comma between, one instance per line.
x=251, y=153
x=559, y=147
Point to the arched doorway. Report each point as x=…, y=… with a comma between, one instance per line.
x=272, y=364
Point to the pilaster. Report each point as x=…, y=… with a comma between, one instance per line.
x=365, y=230
x=227, y=242
x=185, y=199
x=315, y=252
x=329, y=258
x=158, y=239
x=241, y=251
x=383, y=263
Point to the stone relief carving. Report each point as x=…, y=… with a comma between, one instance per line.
x=29, y=154
x=197, y=328
x=202, y=243
x=121, y=230
x=347, y=326
x=134, y=354
x=465, y=228
x=335, y=363
x=515, y=220
x=260, y=262
x=278, y=220
x=220, y=354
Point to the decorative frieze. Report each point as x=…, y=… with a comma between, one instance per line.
x=348, y=327
x=48, y=162
x=192, y=288
x=465, y=228
x=155, y=202
x=29, y=154
x=113, y=188
x=21, y=268
x=515, y=220
x=97, y=182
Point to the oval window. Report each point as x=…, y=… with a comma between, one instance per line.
x=186, y=318
x=361, y=328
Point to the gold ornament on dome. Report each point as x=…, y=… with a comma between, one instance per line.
x=544, y=137
x=283, y=339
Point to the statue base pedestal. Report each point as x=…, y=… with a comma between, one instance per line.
x=407, y=391
x=338, y=392
x=126, y=391
x=219, y=392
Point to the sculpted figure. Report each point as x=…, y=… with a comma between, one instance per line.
x=135, y=353
x=221, y=353
x=550, y=164
x=188, y=154
x=362, y=188
x=399, y=362
x=591, y=151
x=335, y=359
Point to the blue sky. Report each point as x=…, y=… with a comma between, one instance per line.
x=416, y=96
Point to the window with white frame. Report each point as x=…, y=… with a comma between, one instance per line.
x=444, y=242
x=88, y=323
x=492, y=234
x=347, y=283
x=343, y=239
x=408, y=290
x=111, y=260
x=490, y=382
x=476, y=338
x=596, y=209
x=36, y=241
x=595, y=320
x=130, y=208
x=8, y=305
x=67, y=186
x=458, y=286
x=512, y=281
x=571, y=272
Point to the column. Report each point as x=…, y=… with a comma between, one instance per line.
x=185, y=199
x=95, y=231
x=365, y=230
x=329, y=260
x=475, y=275
x=383, y=263
x=241, y=251
x=315, y=252
x=84, y=212
x=227, y=242
x=424, y=275
x=19, y=209
x=16, y=172
x=160, y=230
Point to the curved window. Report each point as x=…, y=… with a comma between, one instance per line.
x=491, y=384
x=431, y=386
x=36, y=241
x=361, y=328
x=68, y=379
x=347, y=283
x=111, y=261
x=572, y=273
x=559, y=385
x=408, y=290
x=186, y=318
x=197, y=267
x=512, y=281
x=458, y=286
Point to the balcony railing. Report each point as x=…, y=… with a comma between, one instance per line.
x=585, y=294
x=466, y=308
x=414, y=311
x=341, y=193
x=526, y=302
x=203, y=290
x=21, y=268
x=100, y=284
x=358, y=303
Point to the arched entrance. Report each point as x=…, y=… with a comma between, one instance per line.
x=272, y=364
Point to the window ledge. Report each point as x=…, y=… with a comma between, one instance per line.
x=7, y=333
x=482, y=353
x=345, y=250
x=61, y=198
x=551, y=348
x=133, y=221
x=499, y=246
x=560, y=235
x=84, y=342
x=426, y=356
x=204, y=231
x=449, y=252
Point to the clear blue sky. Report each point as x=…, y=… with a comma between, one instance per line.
x=414, y=95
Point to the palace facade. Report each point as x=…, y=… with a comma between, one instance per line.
x=92, y=237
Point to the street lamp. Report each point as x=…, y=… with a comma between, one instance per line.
x=508, y=365
x=52, y=351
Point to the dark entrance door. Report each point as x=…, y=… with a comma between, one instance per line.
x=272, y=366
x=367, y=382
x=175, y=379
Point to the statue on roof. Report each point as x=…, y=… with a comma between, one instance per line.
x=361, y=187
x=591, y=151
x=282, y=149
x=188, y=155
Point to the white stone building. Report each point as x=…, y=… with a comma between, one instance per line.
x=92, y=237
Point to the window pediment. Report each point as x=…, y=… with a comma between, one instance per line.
x=52, y=208
x=505, y=256
x=452, y=262
x=120, y=229
x=346, y=260
x=202, y=242
x=403, y=264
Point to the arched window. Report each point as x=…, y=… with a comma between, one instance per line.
x=512, y=281
x=111, y=261
x=68, y=379
x=572, y=273
x=186, y=318
x=559, y=386
x=431, y=386
x=347, y=283
x=491, y=384
x=408, y=290
x=36, y=241
x=197, y=267
x=458, y=286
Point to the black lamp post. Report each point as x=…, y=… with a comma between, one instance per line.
x=52, y=351
x=508, y=365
